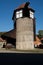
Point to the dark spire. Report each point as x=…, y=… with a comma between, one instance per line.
x=27, y=3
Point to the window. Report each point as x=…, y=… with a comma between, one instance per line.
x=31, y=14
x=19, y=14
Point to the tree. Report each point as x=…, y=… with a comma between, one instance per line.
x=40, y=33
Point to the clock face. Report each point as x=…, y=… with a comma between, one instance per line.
x=19, y=14
x=31, y=14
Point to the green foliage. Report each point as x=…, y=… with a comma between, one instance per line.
x=1, y=33
x=40, y=33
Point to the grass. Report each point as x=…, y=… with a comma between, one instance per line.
x=14, y=50
x=26, y=51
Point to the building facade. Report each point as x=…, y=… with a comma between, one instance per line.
x=25, y=35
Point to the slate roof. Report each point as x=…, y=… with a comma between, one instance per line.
x=1, y=40
x=11, y=34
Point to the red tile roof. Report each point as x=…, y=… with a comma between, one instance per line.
x=37, y=38
x=38, y=41
x=23, y=5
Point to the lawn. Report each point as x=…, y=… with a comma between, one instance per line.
x=22, y=51
x=13, y=50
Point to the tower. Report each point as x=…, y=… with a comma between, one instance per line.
x=24, y=18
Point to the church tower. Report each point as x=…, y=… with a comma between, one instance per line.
x=25, y=23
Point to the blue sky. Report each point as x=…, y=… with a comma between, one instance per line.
x=6, y=11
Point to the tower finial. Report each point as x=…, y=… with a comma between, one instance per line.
x=27, y=3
